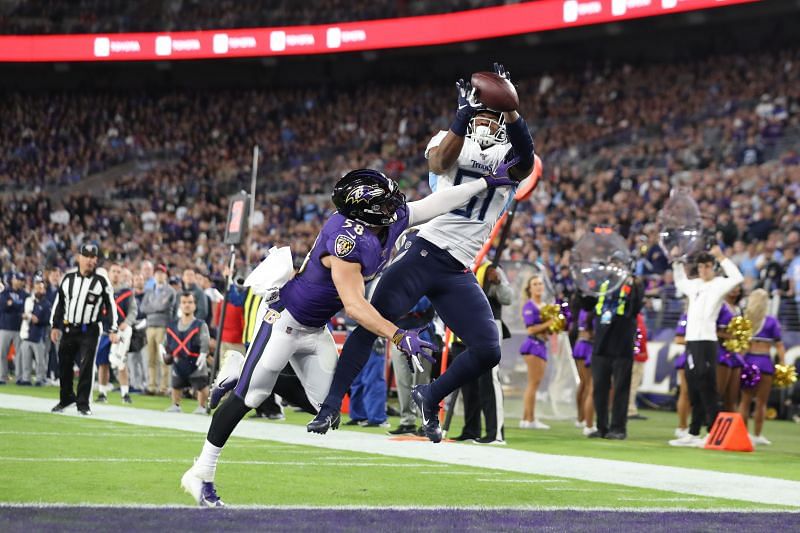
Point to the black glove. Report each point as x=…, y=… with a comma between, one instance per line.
x=501, y=71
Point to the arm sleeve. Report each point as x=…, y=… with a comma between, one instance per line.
x=734, y=276
x=682, y=283
x=146, y=306
x=57, y=318
x=443, y=201
x=205, y=337
x=111, y=305
x=44, y=310
x=344, y=245
x=133, y=311
x=18, y=307
x=521, y=142
x=638, y=297
x=202, y=304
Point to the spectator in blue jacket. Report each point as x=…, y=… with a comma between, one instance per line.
x=33, y=332
x=12, y=302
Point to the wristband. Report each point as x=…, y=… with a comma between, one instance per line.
x=459, y=125
x=398, y=336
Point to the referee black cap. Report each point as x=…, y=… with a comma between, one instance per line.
x=89, y=250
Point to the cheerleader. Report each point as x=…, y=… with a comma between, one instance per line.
x=768, y=334
x=533, y=349
x=582, y=353
x=729, y=369
x=683, y=387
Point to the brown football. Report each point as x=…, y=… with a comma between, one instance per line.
x=495, y=92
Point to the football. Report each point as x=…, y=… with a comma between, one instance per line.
x=495, y=92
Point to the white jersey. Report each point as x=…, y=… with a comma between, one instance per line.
x=463, y=231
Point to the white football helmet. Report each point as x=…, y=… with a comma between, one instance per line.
x=480, y=129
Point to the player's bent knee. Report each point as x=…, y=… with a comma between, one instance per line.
x=254, y=398
x=489, y=356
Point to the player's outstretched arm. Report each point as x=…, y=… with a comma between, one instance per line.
x=350, y=286
x=444, y=156
x=518, y=134
x=446, y=200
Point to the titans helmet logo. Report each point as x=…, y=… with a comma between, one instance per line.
x=363, y=194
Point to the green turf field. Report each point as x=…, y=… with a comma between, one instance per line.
x=99, y=462
x=647, y=440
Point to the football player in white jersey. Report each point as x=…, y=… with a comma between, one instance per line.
x=437, y=264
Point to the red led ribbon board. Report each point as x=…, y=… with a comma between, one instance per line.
x=428, y=30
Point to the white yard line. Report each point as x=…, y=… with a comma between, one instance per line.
x=686, y=481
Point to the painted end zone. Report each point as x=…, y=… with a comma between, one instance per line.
x=68, y=518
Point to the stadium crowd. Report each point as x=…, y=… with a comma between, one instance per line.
x=614, y=140
x=106, y=16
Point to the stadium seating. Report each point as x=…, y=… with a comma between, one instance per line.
x=725, y=124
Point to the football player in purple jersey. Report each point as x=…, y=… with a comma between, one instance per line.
x=353, y=247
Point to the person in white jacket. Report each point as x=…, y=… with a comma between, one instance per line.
x=705, y=294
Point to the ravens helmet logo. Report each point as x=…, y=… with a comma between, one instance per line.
x=363, y=193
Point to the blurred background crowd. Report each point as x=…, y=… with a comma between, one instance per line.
x=105, y=16
x=146, y=174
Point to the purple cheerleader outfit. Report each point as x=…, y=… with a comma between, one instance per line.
x=724, y=356
x=532, y=345
x=770, y=332
x=680, y=331
x=583, y=348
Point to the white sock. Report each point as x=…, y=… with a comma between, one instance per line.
x=207, y=462
x=123, y=389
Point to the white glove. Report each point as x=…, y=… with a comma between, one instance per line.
x=202, y=363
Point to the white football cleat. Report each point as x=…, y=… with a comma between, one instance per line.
x=538, y=425
x=589, y=430
x=681, y=432
x=760, y=440
x=203, y=492
x=688, y=441
x=524, y=424
x=580, y=424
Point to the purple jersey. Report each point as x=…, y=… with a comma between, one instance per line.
x=770, y=331
x=680, y=329
x=311, y=297
x=530, y=314
x=725, y=316
x=585, y=320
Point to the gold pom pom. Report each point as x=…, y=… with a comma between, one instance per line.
x=553, y=311
x=740, y=330
x=785, y=376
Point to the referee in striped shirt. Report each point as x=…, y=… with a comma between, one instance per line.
x=77, y=311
